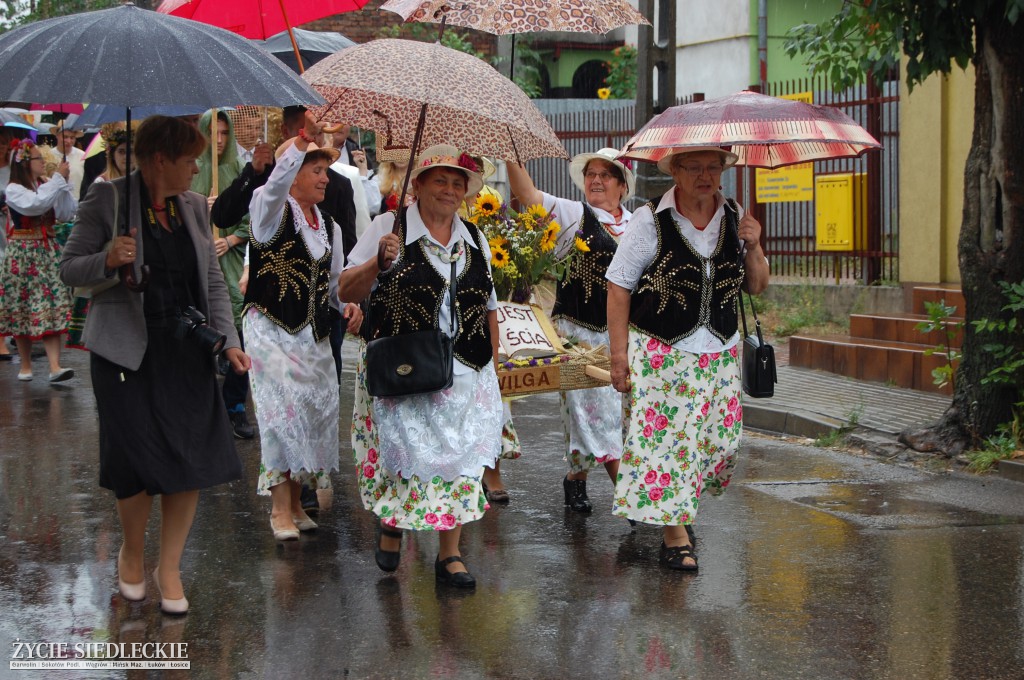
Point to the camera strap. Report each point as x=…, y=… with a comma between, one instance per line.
x=157, y=231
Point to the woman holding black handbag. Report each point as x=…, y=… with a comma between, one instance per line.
x=672, y=321
x=422, y=455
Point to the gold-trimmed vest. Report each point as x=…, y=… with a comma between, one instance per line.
x=31, y=228
x=287, y=284
x=409, y=296
x=582, y=293
x=678, y=294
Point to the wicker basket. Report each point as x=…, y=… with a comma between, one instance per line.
x=567, y=372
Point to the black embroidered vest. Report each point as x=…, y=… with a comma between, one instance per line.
x=286, y=284
x=582, y=294
x=676, y=295
x=409, y=296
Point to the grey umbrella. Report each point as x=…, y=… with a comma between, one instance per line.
x=313, y=46
x=128, y=56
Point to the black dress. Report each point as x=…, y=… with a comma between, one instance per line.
x=164, y=428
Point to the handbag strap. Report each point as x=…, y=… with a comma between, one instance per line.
x=743, y=316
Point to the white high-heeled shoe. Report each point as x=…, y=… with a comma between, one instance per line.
x=133, y=592
x=283, y=534
x=304, y=523
x=168, y=606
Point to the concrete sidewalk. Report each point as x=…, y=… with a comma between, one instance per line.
x=811, y=403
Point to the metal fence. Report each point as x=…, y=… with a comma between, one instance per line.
x=789, y=227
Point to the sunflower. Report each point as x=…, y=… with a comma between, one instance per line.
x=581, y=245
x=537, y=212
x=487, y=205
x=550, y=237
x=499, y=257
x=604, y=92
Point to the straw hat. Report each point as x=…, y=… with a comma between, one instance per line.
x=579, y=163
x=665, y=163
x=447, y=156
x=393, y=154
x=59, y=128
x=335, y=154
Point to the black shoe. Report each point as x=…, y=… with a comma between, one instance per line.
x=387, y=560
x=309, y=501
x=674, y=558
x=576, y=494
x=240, y=425
x=459, y=579
x=689, y=532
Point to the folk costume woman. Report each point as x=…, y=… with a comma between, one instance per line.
x=421, y=463
x=34, y=304
x=295, y=258
x=672, y=320
x=592, y=419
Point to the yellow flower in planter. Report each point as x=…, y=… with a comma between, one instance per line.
x=604, y=93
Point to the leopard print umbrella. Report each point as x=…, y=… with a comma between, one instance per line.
x=503, y=17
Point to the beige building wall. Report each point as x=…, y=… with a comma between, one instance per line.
x=936, y=124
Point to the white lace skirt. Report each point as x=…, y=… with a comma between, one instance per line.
x=295, y=391
x=448, y=434
x=591, y=419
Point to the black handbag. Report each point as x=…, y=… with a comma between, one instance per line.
x=413, y=363
x=759, y=376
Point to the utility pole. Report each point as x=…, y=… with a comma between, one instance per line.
x=655, y=82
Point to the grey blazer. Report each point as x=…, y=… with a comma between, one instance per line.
x=115, y=327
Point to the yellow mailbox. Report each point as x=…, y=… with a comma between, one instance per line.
x=840, y=207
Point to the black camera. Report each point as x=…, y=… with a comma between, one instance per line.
x=192, y=325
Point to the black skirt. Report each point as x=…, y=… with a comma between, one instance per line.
x=163, y=428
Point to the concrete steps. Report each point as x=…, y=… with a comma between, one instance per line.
x=884, y=348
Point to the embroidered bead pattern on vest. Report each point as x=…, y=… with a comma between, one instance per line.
x=582, y=294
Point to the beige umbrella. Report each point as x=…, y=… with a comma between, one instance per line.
x=389, y=85
x=503, y=17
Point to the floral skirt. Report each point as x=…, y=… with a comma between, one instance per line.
x=295, y=392
x=510, y=446
x=33, y=301
x=592, y=420
x=418, y=502
x=685, y=421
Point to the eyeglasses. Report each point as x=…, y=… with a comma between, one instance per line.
x=35, y=158
x=603, y=176
x=698, y=170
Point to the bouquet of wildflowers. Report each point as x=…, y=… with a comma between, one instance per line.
x=522, y=246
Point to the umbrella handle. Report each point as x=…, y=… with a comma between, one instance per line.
x=127, y=274
x=331, y=129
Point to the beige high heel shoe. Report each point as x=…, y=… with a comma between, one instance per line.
x=168, y=606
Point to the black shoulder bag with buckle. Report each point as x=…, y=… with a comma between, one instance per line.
x=758, y=370
x=413, y=363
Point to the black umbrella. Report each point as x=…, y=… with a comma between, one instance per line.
x=313, y=46
x=128, y=57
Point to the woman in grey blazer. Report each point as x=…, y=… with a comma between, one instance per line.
x=163, y=426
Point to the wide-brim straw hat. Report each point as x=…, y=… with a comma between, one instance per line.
x=728, y=157
x=447, y=156
x=396, y=154
x=579, y=164
x=335, y=154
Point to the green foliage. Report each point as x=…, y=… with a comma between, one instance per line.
x=12, y=12
x=1011, y=357
x=866, y=36
x=940, y=319
x=527, y=71
x=1004, y=444
x=621, y=79
x=804, y=308
x=428, y=33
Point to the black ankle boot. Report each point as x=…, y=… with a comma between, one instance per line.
x=576, y=494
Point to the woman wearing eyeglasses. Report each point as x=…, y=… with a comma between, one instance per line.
x=35, y=304
x=672, y=320
x=592, y=418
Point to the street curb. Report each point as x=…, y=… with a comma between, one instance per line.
x=789, y=422
x=1012, y=469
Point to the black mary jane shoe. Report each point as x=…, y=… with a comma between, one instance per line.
x=459, y=579
x=499, y=496
x=387, y=560
x=676, y=556
x=576, y=494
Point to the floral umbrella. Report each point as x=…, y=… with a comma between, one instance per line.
x=502, y=17
x=765, y=132
x=389, y=85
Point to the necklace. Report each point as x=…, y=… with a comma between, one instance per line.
x=441, y=253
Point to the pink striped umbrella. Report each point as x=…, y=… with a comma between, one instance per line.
x=765, y=132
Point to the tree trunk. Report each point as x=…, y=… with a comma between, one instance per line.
x=991, y=245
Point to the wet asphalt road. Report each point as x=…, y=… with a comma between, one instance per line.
x=815, y=564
